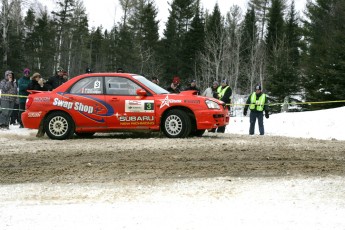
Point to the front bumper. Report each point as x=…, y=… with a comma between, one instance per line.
x=209, y=119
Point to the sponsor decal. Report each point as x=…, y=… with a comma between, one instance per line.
x=34, y=114
x=192, y=101
x=77, y=106
x=136, y=120
x=143, y=106
x=101, y=109
x=41, y=99
x=166, y=102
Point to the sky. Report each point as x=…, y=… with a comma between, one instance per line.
x=106, y=12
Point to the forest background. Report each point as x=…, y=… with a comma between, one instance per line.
x=292, y=57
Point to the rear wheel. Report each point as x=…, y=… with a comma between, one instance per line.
x=59, y=126
x=176, y=124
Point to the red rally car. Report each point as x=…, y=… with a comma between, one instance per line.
x=117, y=102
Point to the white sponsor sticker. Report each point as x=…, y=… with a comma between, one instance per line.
x=139, y=106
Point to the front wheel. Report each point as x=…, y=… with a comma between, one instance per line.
x=59, y=126
x=176, y=124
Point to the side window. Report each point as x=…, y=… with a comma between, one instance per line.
x=89, y=85
x=121, y=86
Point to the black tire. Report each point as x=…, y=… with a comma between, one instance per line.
x=176, y=124
x=85, y=135
x=59, y=126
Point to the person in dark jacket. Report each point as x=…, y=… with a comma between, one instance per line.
x=192, y=86
x=37, y=83
x=9, y=92
x=57, y=80
x=257, y=103
x=224, y=94
x=23, y=84
x=175, y=85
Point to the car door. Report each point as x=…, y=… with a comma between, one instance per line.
x=88, y=103
x=130, y=110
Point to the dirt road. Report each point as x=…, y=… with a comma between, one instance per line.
x=148, y=157
x=145, y=181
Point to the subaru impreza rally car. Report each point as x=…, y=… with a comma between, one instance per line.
x=118, y=102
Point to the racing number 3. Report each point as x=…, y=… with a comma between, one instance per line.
x=148, y=106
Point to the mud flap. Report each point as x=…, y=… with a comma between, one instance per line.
x=41, y=131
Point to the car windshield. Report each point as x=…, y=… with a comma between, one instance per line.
x=154, y=87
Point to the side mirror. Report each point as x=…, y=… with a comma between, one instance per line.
x=141, y=92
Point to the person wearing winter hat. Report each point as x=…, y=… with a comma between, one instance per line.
x=211, y=91
x=37, y=83
x=257, y=103
x=8, y=87
x=175, y=85
x=57, y=80
x=192, y=86
x=23, y=84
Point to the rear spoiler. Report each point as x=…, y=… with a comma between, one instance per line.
x=36, y=91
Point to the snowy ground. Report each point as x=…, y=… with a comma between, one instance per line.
x=220, y=181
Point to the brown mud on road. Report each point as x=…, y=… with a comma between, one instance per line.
x=148, y=157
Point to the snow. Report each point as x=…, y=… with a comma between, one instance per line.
x=323, y=124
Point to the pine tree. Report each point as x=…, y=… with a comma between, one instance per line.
x=63, y=19
x=194, y=45
x=29, y=25
x=283, y=73
x=275, y=27
x=215, y=42
x=144, y=27
x=260, y=8
x=325, y=58
x=78, y=36
x=44, y=50
x=177, y=27
x=249, y=52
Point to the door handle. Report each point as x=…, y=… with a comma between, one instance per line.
x=114, y=99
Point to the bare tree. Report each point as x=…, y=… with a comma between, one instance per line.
x=214, y=55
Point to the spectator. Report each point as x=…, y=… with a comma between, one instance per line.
x=57, y=80
x=119, y=70
x=175, y=85
x=224, y=94
x=155, y=80
x=257, y=103
x=88, y=70
x=65, y=74
x=9, y=91
x=37, y=83
x=23, y=84
x=212, y=91
x=192, y=86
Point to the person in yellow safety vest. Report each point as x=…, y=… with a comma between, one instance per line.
x=224, y=94
x=257, y=103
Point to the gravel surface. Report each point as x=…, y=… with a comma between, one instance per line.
x=131, y=181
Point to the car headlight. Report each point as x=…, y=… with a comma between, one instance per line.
x=212, y=105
